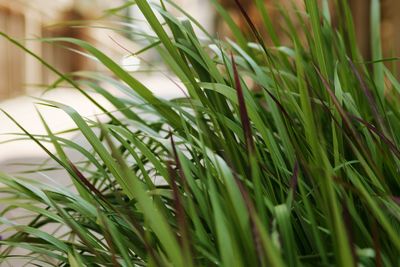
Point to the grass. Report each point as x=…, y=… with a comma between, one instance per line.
x=284, y=155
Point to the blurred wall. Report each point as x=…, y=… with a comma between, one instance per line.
x=30, y=19
x=12, y=59
x=390, y=22
x=23, y=19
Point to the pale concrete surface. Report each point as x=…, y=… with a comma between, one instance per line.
x=23, y=110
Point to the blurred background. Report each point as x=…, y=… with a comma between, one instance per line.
x=22, y=76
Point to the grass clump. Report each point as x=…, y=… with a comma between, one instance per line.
x=278, y=156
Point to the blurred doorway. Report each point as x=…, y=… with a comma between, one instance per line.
x=12, y=58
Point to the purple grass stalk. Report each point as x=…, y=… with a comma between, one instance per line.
x=244, y=117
